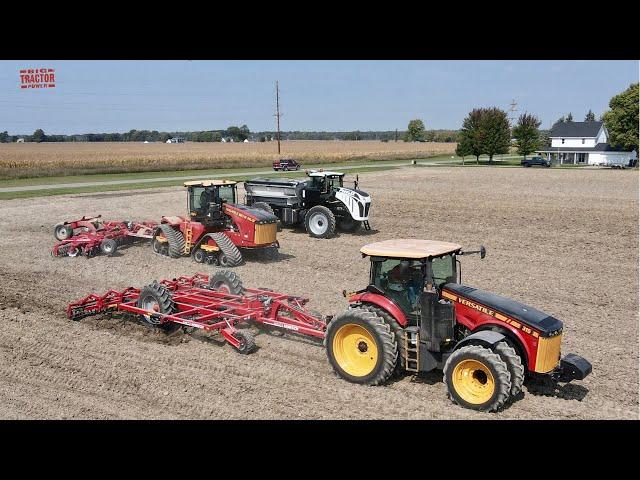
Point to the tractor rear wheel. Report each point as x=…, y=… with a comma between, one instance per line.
x=320, y=222
x=361, y=347
x=349, y=225
x=175, y=240
x=514, y=364
x=398, y=334
x=62, y=231
x=157, y=298
x=230, y=255
x=227, y=282
x=109, y=246
x=477, y=378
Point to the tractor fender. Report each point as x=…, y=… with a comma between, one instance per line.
x=383, y=302
x=486, y=338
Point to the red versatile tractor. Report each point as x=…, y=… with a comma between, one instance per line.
x=415, y=315
x=217, y=227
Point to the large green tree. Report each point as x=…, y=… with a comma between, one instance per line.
x=471, y=134
x=569, y=118
x=39, y=136
x=496, y=134
x=415, y=131
x=622, y=119
x=4, y=137
x=590, y=116
x=527, y=134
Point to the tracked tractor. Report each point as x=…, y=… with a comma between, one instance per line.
x=217, y=228
x=415, y=315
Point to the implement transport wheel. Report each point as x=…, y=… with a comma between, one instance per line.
x=175, y=240
x=157, y=298
x=320, y=222
x=109, y=246
x=477, y=378
x=349, y=225
x=199, y=256
x=226, y=281
x=361, y=347
x=247, y=342
x=514, y=364
x=62, y=231
x=230, y=255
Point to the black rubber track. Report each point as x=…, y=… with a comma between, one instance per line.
x=175, y=240
x=331, y=219
x=514, y=364
x=227, y=278
x=165, y=305
x=380, y=330
x=502, y=377
x=227, y=247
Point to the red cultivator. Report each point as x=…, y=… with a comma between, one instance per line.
x=215, y=303
x=90, y=236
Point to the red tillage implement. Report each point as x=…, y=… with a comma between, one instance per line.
x=90, y=235
x=215, y=303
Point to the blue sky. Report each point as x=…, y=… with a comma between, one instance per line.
x=116, y=96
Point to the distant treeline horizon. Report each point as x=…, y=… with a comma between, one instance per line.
x=236, y=134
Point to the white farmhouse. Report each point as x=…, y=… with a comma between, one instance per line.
x=584, y=143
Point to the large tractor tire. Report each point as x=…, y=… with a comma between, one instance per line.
x=514, y=364
x=398, y=335
x=157, y=298
x=109, y=246
x=62, y=231
x=361, y=347
x=230, y=255
x=320, y=222
x=175, y=239
x=227, y=282
x=477, y=378
x=349, y=225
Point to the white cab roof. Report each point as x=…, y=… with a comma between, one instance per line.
x=409, y=248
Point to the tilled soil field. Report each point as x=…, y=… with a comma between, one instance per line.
x=564, y=241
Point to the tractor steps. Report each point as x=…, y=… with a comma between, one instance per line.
x=366, y=225
x=412, y=352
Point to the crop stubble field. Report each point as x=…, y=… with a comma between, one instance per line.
x=22, y=160
x=564, y=241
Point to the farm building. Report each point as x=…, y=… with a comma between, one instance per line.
x=584, y=143
x=20, y=140
x=176, y=140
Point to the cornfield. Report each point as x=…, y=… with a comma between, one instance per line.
x=27, y=160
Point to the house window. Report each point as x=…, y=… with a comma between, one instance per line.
x=563, y=141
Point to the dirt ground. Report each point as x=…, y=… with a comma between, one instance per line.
x=564, y=241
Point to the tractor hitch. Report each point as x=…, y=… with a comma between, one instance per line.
x=572, y=367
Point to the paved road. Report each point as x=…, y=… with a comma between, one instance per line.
x=55, y=186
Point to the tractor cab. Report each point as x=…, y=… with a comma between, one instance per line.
x=411, y=273
x=325, y=182
x=206, y=198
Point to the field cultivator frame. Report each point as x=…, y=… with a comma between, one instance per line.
x=94, y=232
x=198, y=305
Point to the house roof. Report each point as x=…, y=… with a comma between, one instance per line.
x=576, y=129
x=601, y=147
x=409, y=248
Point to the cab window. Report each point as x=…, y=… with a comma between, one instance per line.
x=334, y=182
x=197, y=198
x=444, y=270
x=227, y=193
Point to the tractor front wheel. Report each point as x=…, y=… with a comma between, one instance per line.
x=361, y=347
x=477, y=378
x=320, y=222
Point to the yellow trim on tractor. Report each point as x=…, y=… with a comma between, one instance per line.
x=548, y=354
x=355, y=350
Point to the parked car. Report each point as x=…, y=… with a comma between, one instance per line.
x=543, y=162
x=285, y=164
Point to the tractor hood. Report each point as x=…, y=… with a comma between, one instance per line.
x=492, y=304
x=254, y=215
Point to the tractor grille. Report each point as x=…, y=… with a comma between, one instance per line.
x=548, y=354
x=265, y=233
x=366, y=209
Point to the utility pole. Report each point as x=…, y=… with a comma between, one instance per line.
x=396, y=134
x=512, y=111
x=277, y=115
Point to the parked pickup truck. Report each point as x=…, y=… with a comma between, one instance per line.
x=543, y=162
x=285, y=164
